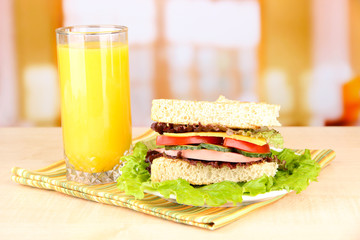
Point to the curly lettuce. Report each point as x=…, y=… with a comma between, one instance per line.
x=272, y=136
x=134, y=172
x=295, y=173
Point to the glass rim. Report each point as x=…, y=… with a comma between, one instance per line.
x=107, y=29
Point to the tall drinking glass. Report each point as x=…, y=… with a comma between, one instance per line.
x=95, y=100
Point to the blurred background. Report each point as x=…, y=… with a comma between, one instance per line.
x=303, y=55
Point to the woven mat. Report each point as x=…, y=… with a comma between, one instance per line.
x=53, y=177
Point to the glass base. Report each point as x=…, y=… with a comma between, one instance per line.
x=91, y=178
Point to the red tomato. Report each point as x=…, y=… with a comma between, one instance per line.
x=246, y=146
x=168, y=140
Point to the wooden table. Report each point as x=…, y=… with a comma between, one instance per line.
x=328, y=209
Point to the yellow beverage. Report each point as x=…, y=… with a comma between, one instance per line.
x=95, y=104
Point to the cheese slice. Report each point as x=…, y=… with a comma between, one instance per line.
x=257, y=141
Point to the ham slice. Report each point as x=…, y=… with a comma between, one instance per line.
x=209, y=155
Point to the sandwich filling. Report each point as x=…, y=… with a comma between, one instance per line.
x=213, y=146
x=154, y=154
x=257, y=135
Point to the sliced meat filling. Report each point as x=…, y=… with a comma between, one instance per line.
x=209, y=155
x=153, y=154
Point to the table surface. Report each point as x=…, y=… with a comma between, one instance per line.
x=327, y=209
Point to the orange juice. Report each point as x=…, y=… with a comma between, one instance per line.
x=95, y=104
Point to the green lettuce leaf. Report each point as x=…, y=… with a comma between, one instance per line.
x=258, y=186
x=272, y=136
x=275, y=139
x=295, y=173
x=134, y=173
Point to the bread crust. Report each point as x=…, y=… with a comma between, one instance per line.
x=163, y=169
x=228, y=113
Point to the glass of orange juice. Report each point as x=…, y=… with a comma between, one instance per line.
x=95, y=100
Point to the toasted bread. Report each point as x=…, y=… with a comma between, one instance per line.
x=163, y=169
x=228, y=113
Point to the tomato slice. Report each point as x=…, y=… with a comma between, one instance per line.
x=246, y=146
x=167, y=140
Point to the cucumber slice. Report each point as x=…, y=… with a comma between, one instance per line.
x=198, y=147
x=254, y=155
x=183, y=147
x=215, y=147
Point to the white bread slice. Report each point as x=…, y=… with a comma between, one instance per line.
x=228, y=113
x=163, y=169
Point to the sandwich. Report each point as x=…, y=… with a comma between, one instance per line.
x=213, y=153
x=211, y=142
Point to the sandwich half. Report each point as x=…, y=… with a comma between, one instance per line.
x=211, y=142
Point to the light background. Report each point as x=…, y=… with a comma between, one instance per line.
x=303, y=55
